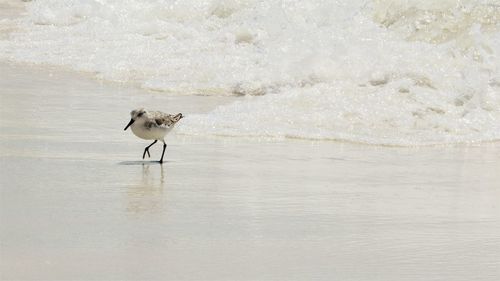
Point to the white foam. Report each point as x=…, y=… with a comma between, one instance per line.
x=384, y=72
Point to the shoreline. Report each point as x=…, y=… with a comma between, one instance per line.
x=222, y=99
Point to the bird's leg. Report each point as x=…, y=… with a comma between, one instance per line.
x=164, y=147
x=146, y=150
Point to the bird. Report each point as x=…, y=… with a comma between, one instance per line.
x=152, y=125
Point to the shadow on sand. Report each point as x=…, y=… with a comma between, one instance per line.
x=142, y=162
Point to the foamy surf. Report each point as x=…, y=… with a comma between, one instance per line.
x=379, y=72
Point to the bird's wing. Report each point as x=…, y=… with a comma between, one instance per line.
x=162, y=120
x=152, y=124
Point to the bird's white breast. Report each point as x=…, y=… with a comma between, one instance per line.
x=153, y=133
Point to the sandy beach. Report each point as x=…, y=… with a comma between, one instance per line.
x=78, y=203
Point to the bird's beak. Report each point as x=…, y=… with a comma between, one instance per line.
x=129, y=123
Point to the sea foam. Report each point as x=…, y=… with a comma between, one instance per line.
x=380, y=72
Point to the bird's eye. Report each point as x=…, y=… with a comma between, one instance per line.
x=140, y=114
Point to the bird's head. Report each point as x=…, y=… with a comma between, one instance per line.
x=136, y=114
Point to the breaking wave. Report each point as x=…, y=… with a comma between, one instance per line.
x=380, y=72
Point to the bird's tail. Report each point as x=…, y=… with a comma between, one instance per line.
x=178, y=117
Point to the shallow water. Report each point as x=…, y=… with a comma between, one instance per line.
x=77, y=202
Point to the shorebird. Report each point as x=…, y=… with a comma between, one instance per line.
x=152, y=125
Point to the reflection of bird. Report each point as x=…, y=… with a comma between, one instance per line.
x=147, y=194
x=152, y=125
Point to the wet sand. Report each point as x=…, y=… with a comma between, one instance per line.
x=78, y=203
